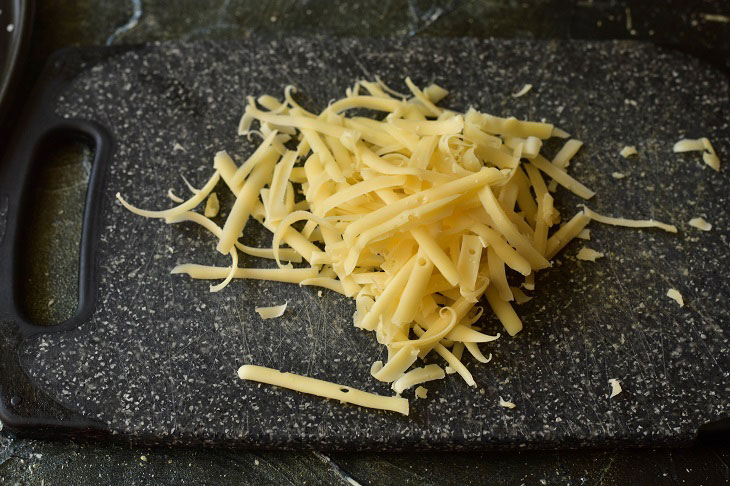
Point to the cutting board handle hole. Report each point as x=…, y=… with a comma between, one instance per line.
x=51, y=224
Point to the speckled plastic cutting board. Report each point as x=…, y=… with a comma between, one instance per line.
x=158, y=357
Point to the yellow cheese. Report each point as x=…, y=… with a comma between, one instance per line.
x=628, y=151
x=271, y=312
x=630, y=223
x=615, y=387
x=417, y=376
x=709, y=156
x=522, y=92
x=676, y=296
x=237, y=218
x=504, y=311
x=520, y=296
x=562, y=177
x=414, y=290
x=186, y=206
x=326, y=389
x=417, y=214
x=700, y=224
x=589, y=254
x=506, y=404
x=474, y=350
x=288, y=275
x=566, y=153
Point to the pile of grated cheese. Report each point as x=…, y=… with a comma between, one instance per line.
x=415, y=214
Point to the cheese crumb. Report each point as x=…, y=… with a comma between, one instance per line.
x=628, y=223
x=506, y=404
x=628, y=150
x=421, y=392
x=615, y=387
x=449, y=370
x=520, y=296
x=525, y=89
x=272, y=312
x=700, y=223
x=143, y=458
x=618, y=175
x=589, y=254
x=584, y=234
x=716, y=18
x=675, y=295
x=212, y=206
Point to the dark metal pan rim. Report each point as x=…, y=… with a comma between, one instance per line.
x=19, y=14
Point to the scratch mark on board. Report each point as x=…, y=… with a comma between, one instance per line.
x=130, y=24
x=335, y=468
x=359, y=64
x=422, y=21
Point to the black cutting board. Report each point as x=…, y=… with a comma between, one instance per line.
x=153, y=356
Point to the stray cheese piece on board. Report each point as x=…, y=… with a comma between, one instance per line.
x=506, y=404
x=676, y=296
x=271, y=312
x=628, y=150
x=589, y=254
x=322, y=388
x=525, y=89
x=615, y=387
x=700, y=223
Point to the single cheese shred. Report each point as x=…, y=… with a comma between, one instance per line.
x=271, y=312
x=589, y=254
x=525, y=89
x=506, y=404
x=615, y=387
x=628, y=151
x=212, y=206
x=676, y=296
x=422, y=215
x=630, y=223
x=700, y=223
x=322, y=388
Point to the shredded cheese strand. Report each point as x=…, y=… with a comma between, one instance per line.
x=630, y=223
x=326, y=389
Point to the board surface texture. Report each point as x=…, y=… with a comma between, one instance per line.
x=158, y=358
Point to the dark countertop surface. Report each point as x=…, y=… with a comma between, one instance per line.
x=698, y=27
